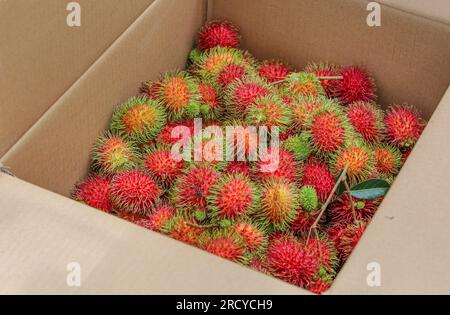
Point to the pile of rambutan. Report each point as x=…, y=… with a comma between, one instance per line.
x=298, y=222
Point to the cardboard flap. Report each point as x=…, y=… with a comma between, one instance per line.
x=409, y=235
x=41, y=56
x=42, y=232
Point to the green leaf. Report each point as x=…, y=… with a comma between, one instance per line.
x=370, y=189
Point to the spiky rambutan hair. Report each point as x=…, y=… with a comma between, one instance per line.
x=150, y=89
x=326, y=254
x=158, y=161
x=112, y=154
x=254, y=235
x=303, y=107
x=356, y=85
x=218, y=33
x=367, y=120
x=303, y=84
x=308, y=198
x=160, y=214
x=359, y=158
x=191, y=190
x=268, y=110
x=318, y=286
x=324, y=69
x=224, y=242
x=299, y=145
x=403, y=126
x=134, y=191
x=165, y=135
x=317, y=174
x=279, y=203
x=238, y=167
x=210, y=63
x=138, y=119
x=288, y=168
x=346, y=237
x=183, y=229
x=328, y=129
x=304, y=221
x=341, y=209
x=179, y=93
x=274, y=70
x=233, y=196
x=232, y=72
x=388, y=159
x=242, y=93
x=290, y=260
x=210, y=100
x=95, y=192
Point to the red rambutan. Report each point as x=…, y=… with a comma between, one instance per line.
x=326, y=254
x=304, y=221
x=355, y=85
x=134, y=191
x=233, y=196
x=224, y=243
x=279, y=203
x=165, y=136
x=183, y=229
x=274, y=70
x=218, y=33
x=151, y=89
x=210, y=64
x=238, y=167
x=318, y=286
x=388, y=159
x=159, y=216
x=346, y=237
x=303, y=84
x=303, y=108
x=318, y=175
x=287, y=167
x=291, y=261
x=367, y=120
x=324, y=70
x=111, y=154
x=95, y=192
x=210, y=103
x=341, y=209
x=403, y=126
x=232, y=72
x=328, y=129
x=191, y=190
x=158, y=161
x=253, y=235
x=242, y=93
x=268, y=111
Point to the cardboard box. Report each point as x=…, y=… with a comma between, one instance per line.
x=41, y=230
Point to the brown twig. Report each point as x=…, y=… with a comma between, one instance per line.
x=352, y=204
x=327, y=202
x=331, y=77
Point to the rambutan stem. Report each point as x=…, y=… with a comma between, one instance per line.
x=327, y=202
x=331, y=77
x=352, y=204
x=318, y=245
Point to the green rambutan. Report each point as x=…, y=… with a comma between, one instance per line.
x=359, y=158
x=233, y=196
x=191, y=190
x=134, y=191
x=324, y=70
x=367, y=120
x=111, y=154
x=279, y=203
x=268, y=110
x=95, y=192
x=403, y=126
x=328, y=129
x=210, y=63
x=308, y=198
x=341, y=209
x=299, y=146
x=224, y=243
x=274, y=70
x=218, y=33
x=318, y=175
x=138, y=119
x=291, y=261
x=303, y=84
x=388, y=159
x=179, y=93
x=159, y=163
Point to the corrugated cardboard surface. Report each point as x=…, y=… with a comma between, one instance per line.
x=158, y=41
x=40, y=56
x=410, y=58
x=438, y=10
x=42, y=233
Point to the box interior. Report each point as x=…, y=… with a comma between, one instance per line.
x=408, y=56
